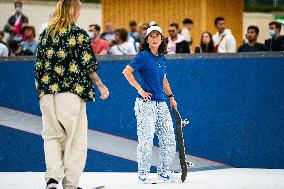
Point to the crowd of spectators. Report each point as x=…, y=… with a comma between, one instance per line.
x=21, y=38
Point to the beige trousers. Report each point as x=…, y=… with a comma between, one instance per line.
x=65, y=137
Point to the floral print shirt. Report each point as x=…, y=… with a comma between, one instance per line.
x=63, y=64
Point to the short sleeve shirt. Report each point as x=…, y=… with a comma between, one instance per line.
x=63, y=64
x=152, y=70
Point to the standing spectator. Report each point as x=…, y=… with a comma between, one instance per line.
x=15, y=23
x=29, y=46
x=133, y=33
x=108, y=35
x=186, y=30
x=134, y=36
x=276, y=42
x=252, y=45
x=206, y=44
x=143, y=30
x=175, y=42
x=224, y=41
x=122, y=47
x=99, y=45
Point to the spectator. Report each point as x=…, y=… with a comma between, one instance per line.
x=175, y=42
x=143, y=30
x=134, y=36
x=108, y=35
x=224, y=40
x=122, y=47
x=206, y=44
x=29, y=46
x=15, y=23
x=13, y=47
x=99, y=45
x=4, y=52
x=252, y=45
x=185, y=31
x=276, y=42
x=133, y=33
x=2, y=35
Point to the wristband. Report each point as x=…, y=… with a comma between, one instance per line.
x=140, y=90
x=171, y=95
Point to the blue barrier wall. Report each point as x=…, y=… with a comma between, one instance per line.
x=235, y=105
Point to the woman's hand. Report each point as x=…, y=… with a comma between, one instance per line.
x=173, y=103
x=104, y=92
x=145, y=95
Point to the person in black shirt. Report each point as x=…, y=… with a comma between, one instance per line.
x=252, y=45
x=276, y=42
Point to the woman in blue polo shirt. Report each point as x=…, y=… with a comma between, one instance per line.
x=151, y=110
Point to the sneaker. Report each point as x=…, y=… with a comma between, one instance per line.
x=52, y=184
x=169, y=177
x=145, y=178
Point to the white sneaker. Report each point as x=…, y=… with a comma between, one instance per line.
x=169, y=177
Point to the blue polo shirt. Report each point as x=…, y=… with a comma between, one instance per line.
x=152, y=70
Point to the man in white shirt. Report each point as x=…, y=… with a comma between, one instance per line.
x=123, y=47
x=4, y=52
x=224, y=41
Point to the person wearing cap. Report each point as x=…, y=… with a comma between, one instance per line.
x=29, y=46
x=151, y=110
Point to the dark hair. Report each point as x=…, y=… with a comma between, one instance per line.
x=277, y=24
x=162, y=50
x=2, y=33
x=255, y=28
x=18, y=2
x=187, y=21
x=219, y=18
x=132, y=23
x=96, y=26
x=174, y=25
x=210, y=47
x=123, y=34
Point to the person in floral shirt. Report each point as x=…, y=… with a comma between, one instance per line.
x=65, y=68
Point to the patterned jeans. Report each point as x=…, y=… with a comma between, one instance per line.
x=154, y=117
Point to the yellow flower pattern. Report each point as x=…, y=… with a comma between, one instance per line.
x=72, y=41
x=63, y=64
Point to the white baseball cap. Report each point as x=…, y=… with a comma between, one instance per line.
x=154, y=28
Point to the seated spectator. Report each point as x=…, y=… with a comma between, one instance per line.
x=29, y=46
x=252, y=45
x=175, y=42
x=15, y=23
x=206, y=44
x=100, y=46
x=186, y=30
x=122, y=47
x=276, y=42
x=224, y=41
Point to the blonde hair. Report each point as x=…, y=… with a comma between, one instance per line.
x=63, y=16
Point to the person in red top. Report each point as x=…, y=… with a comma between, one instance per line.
x=100, y=46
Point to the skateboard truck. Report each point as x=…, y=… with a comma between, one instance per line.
x=184, y=122
x=189, y=164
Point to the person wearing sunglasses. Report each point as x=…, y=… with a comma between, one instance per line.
x=176, y=42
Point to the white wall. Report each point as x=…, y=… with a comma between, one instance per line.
x=38, y=13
